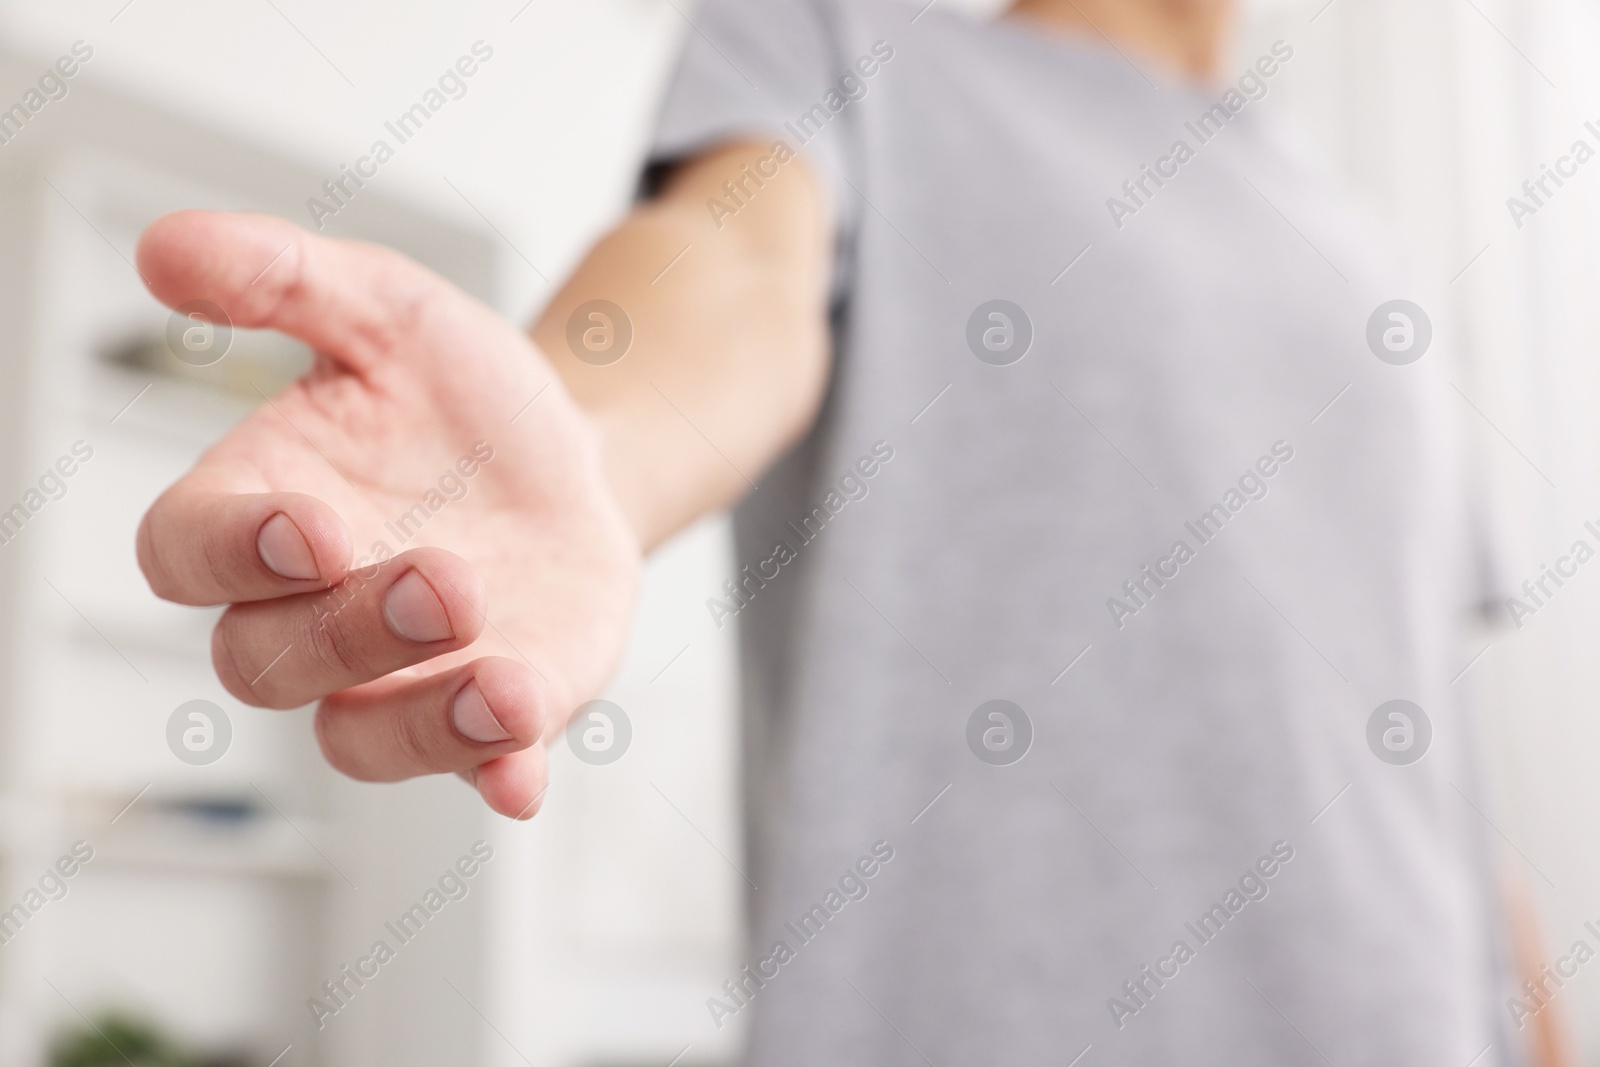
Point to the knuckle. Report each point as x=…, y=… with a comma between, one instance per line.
x=225, y=641
x=328, y=634
x=411, y=741
x=153, y=563
x=286, y=285
x=215, y=556
x=155, y=575
x=406, y=298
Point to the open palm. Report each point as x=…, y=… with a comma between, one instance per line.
x=418, y=533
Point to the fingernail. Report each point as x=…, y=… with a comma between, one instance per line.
x=284, y=550
x=472, y=717
x=413, y=610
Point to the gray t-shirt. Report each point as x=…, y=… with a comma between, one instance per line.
x=1166, y=502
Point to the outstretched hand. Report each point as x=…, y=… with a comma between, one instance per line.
x=418, y=533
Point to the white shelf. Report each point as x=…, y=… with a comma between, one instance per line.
x=260, y=846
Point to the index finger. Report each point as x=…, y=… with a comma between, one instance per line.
x=202, y=546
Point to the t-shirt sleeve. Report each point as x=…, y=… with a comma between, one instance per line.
x=763, y=70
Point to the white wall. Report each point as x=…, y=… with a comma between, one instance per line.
x=541, y=145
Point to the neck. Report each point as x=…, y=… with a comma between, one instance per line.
x=1187, y=37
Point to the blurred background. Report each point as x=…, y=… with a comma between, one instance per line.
x=220, y=897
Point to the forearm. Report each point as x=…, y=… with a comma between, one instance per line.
x=729, y=355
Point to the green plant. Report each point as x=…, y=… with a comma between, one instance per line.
x=116, y=1039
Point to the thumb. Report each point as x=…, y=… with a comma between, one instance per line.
x=347, y=300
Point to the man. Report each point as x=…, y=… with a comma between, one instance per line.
x=1098, y=501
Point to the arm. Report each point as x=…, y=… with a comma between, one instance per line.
x=730, y=342
x=510, y=590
